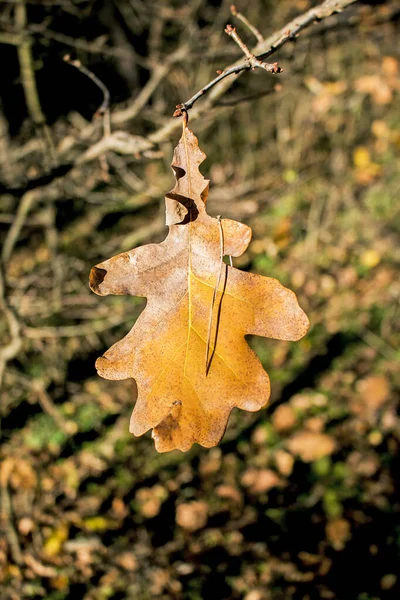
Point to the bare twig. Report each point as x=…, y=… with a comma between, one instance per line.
x=12, y=39
x=118, y=141
x=6, y=163
x=290, y=32
x=250, y=26
x=264, y=49
x=214, y=90
x=185, y=106
x=26, y=67
x=29, y=80
x=10, y=350
x=252, y=62
x=66, y=331
x=158, y=74
x=48, y=406
x=12, y=234
x=38, y=568
x=6, y=511
x=103, y=110
x=96, y=46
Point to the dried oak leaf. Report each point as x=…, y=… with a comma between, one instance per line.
x=184, y=280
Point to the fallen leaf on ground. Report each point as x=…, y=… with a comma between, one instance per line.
x=311, y=446
x=192, y=515
x=260, y=481
x=338, y=533
x=127, y=560
x=53, y=544
x=230, y=492
x=284, y=418
x=150, y=500
x=374, y=391
x=284, y=462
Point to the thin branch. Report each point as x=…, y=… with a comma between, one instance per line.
x=158, y=74
x=15, y=328
x=105, y=105
x=11, y=39
x=67, y=331
x=241, y=99
x=10, y=350
x=252, y=62
x=48, y=406
x=118, y=141
x=6, y=518
x=259, y=37
x=102, y=111
x=290, y=32
x=19, y=220
x=26, y=67
x=214, y=90
x=28, y=79
x=97, y=46
x=185, y=106
x=263, y=50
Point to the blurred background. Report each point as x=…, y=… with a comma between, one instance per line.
x=299, y=501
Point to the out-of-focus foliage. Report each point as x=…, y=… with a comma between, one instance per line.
x=301, y=500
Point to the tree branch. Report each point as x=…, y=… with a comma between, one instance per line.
x=214, y=90
x=10, y=350
x=250, y=26
x=263, y=50
x=252, y=62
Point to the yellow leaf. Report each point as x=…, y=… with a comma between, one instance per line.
x=97, y=523
x=187, y=350
x=53, y=544
x=361, y=157
x=370, y=258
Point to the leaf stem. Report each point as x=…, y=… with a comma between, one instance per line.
x=221, y=238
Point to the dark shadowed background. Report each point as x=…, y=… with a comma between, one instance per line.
x=299, y=501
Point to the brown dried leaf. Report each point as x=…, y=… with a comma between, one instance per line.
x=284, y=418
x=260, y=481
x=230, y=492
x=178, y=397
x=192, y=515
x=338, y=533
x=284, y=462
x=311, y=446
x=374, y=391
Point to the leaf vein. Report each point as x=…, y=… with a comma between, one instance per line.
x=215, y=352
x=225, y=293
